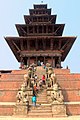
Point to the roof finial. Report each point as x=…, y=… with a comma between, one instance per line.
x=41, y=1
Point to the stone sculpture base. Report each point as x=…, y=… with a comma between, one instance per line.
x=59, y=110
x=21, y=109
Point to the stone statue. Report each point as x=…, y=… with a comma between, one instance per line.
x=33, y=69
x=52, y=79
x=27, y=80
x=51, y=76
x=22, y=96
x=19, y=97
x=30, y=70
x=22, y=103
x=50, y=71
x=58, y=106
x=48, y=65
x=56, y=95
x=26, y=100
x=47, y=68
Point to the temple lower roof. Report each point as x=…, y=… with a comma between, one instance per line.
x=15, y=41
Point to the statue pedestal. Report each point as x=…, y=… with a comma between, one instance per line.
x=59, y=110
x=21, y=109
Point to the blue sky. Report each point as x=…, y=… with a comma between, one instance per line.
x=11, y=13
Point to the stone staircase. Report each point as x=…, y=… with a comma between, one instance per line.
x=40, y=111
x=42, y=97
x=40, y=71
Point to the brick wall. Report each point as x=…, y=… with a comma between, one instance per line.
x=6, y=110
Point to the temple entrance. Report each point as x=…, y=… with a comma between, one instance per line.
x=32, y=60
x=40, y=61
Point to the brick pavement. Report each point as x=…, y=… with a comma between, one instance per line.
x=21, y=118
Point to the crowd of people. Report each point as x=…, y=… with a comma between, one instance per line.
x=37, y=86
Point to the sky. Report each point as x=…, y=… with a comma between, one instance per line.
x=12, y=12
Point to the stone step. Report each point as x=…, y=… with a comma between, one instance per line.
x=40, y=115
x=61, y=71
x=42, y=102
x=40, y=111
x=19, y=71
x=41, y=107
x=11, y=76
x=41, y=98
x=10, y=85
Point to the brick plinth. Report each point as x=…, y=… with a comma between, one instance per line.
x=6, y=110
x=8, y=96
x=73, y=109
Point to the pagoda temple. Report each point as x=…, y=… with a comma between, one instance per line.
x=40, y=39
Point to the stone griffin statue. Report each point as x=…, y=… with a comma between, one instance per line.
x=53, y=79
x=50, y=71
x=56, y=95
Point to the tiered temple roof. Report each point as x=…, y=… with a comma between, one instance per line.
x=40, y=38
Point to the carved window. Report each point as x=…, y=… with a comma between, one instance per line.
x=40, y=45
x=25, y=44
x=32, y=44
x=40, y=19
x=35, y=28
x=44, y=29
x=40, y=29
x=45, y=19
x=34, y=19
x=30, y=29
x=43, y=12
x=49, y=29
x=47, y=44
x=56, y=44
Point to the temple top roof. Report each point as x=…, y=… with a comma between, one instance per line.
x=40, y=6
x=40, y=11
